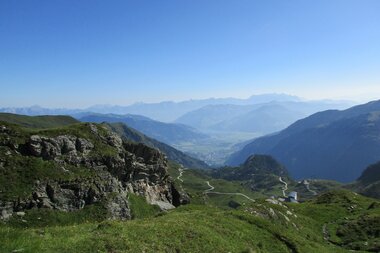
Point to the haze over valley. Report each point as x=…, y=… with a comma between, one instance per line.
x=209, y=129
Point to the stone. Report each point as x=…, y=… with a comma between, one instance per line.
x=83, y=145
x=93, y=128
x=6, y=210
x=114, y=140
x=34, y=145
x=66, y=144
x=272, y=213
x=164, y=206
x=133, y=168
x=5, y=214
x=17, y=250
x=20, y=214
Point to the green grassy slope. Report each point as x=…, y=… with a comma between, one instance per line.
x=255, y=227
x=37, y=121
x=194, y=182
x=336, y=221
x=349, y=220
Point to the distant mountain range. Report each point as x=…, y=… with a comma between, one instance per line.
x=261, y=118
x=330, y=144
x=169, y=133
x=36, y=110
x=167, y=111
x=209, y=129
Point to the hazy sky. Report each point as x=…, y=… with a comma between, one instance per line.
x=75, y=53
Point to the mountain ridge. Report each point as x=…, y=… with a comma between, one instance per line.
x=348, y=137
x=166, y=111
x=263, y=117
x=169, y=133
x=171, y=153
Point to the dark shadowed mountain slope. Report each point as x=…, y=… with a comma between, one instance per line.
x=371, y=174
x=260, y=173
x=165, y=132
x=368, y=183
x=263, y=164
x=172, y=153
x=331, y=144
x=253, y=167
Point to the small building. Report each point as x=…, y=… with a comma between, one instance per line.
x=292, y=197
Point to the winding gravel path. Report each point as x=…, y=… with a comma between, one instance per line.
x=285, y=188
x=210, y=191
x=211, y=187
x=307, y=185
x=181, y=169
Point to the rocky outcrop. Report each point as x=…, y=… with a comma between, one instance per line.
x=75, y=195
x=49, y=148
x=114, y=170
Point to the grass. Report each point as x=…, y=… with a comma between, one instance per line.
x=194, y=183
x=317, y=185
x=186, y=229
x=349, y=219
x=41, y=218
x=18, y=178
x=37, y=121
x=212, y=223
x=361, y=233
x=140, y=208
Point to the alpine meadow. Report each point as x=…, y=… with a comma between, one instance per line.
x=203, y=126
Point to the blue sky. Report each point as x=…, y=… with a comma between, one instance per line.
x=69, y=53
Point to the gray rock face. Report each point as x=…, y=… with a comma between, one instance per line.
x=6, y=210
x=131, y=168
x=49, y=148
x=83, y=145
